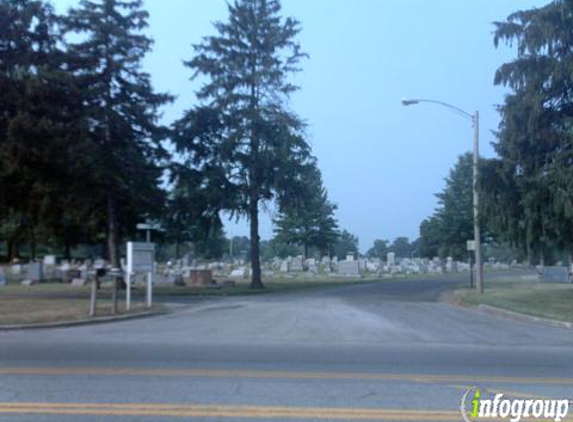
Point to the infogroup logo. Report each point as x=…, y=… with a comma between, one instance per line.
x=475, y=406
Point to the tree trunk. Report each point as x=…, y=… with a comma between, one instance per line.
x=306, y=251
x=112, y=233
x=256, y=281
x=9, y=250
x=33, y=250
x=13, y=249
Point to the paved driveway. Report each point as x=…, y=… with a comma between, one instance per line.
x=385, y=351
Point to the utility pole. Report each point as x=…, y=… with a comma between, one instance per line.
x=477, y=236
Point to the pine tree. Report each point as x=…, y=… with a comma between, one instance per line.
x=446, y=232
x=122, y=145
x=535, y=140
x=246, y=66
x=40, y=121
x=309, y=220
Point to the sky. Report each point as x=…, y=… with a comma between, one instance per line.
x=381, y=162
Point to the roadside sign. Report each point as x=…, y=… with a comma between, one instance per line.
x=148, y=226
x=140, y=259
x=471, y=245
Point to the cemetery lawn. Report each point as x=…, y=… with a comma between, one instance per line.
x=24, y=311
x=545, y=300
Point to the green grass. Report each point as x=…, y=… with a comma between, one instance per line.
x=23, y=311
x=545, y=300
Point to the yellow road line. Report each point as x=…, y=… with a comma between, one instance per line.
x=226, y=411
x=249, y=412
x=214, y=373
x=505, y=392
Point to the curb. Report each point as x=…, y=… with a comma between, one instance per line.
x=92, y=321
x=522, y=317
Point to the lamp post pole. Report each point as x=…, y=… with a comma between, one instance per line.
x=474, y=118
x=477, y=236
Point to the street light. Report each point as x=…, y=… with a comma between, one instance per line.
x=474, y=118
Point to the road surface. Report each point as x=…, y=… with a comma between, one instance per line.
x=386, y=351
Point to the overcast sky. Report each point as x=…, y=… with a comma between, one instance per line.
x=381, y=162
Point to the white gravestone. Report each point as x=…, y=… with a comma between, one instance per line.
x=391, y=259
x=349, y=268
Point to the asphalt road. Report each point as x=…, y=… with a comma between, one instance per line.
x=386, y=351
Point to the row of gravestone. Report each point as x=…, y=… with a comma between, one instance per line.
x=47, y=269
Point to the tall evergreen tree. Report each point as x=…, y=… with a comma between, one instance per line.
x=447, y=231
x=535, y=140
x=40, y=121
x=246, y=65
x=309, y=219
x=346, y=244
x=122, y=144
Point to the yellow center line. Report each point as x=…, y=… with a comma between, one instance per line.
x=170, y=410
x=215, y=373
x=505, y=392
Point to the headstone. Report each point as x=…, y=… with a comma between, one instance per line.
x=178, y=279
x=186, y=260
x=16, y=269
x=35, y=271
x=296, y=264
x=449, y=264
x=554, y=275
x=78, y=282
x=391, y=258
x=99, y=263
x=284, y=266
x=71, y=274
x=311, y=265
x=372, y=266
x=350, y=257
x=28, y=282
x=200, y=278
x=49, y=260
x=83, y=271
x=349, y=268
x=334, y=264
x=238, y=273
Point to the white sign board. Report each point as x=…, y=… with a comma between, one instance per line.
x=471, y=244
x=140, y=257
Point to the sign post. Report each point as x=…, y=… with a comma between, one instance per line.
x=148, y=227
x=471, y=246
x=140, y=259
